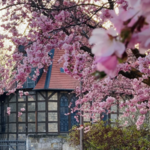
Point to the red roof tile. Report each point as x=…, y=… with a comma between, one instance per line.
x=58, y=80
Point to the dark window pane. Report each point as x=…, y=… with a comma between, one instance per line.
x=22, y=118
x=43, y=93
x=31, y=117
x=13, y=107
x=21, y=105
x=21, y=137
x=31, y=97
x=73, y=120
x=40, y=97
x=31, y=127
x=41, y=127
x=12, y=117
x=4, y=128
x=3, y=136
x=31, y=92
x=63, y=111
x=31, y=84
x=12, y=127
x=12, y=136
x=23, y=98
x=13, y=98
x=64, y=101
x=41, y=105
x=62, y=70
x=41, y=116
x=31, y=106
x=21, y=128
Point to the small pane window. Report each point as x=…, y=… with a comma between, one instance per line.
x=13, y=98
x=64, y=110
x=4, y=128
x=22, y=98
x=114, y=108
x=12, y=136
x=41, y=116
x=113, y=117
x=31, y=97
x=41, y=127
x=43, y=93
x=52, y=116
x=3, y=136
x=62, y=70
x=31, y=127
x=97, y=116
x=22, y=118
x=52, y=106
x=21, y=136
x=52, y=127
x=31, y=92
x=21, y=105
x=12, y=117
x=73, y=119
x=86, y=117
x=41, y=105
x=21, y=127
x=40, y=97
x=31, y=106
x=54, y=97
x=31, y=117
x=13, y=107
x=49, y=93
x=12, y=127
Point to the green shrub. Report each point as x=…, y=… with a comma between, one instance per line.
x=102, y=137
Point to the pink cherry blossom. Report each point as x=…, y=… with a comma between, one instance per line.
x=19, y=114
x=105, y=43
x=22, y=109
x=107, y=64
x=8, y=110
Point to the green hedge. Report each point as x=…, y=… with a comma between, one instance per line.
x=102, y=137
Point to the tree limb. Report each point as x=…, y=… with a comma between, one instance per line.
x=134, y=73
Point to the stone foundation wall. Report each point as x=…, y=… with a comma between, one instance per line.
x=48, y=143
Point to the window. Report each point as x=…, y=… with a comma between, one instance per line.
x=67, y=121
x=30, y=83
x=44, y=114
x=62, y=70
x=64, y=110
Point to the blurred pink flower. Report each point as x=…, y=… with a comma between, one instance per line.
x=19, y=114
x=107, y=64
x=22, y=109
x=105, y=43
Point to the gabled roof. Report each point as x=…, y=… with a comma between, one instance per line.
x=54, y=78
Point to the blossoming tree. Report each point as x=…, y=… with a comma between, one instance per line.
x=98, y=39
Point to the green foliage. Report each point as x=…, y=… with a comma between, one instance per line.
x=102, y=137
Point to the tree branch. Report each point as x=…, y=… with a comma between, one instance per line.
x=111, y=4
x=134, y=73
x=136, y=53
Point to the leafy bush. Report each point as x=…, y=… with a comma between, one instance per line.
x=102, y=137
